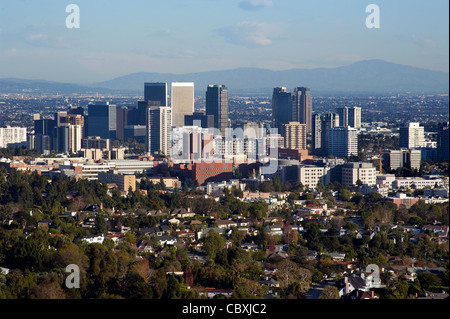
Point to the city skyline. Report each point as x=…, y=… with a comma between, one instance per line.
x=116, y=38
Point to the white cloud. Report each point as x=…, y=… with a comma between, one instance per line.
x=251, y=34
x=255, y=5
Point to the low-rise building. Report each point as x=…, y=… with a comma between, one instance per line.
x=123, y=182
x=403, y=199
x=364, y=172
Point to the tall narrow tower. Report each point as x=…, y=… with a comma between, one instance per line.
x=302, y=107
x=217, y=105
x=182, y=101
x=281, y=107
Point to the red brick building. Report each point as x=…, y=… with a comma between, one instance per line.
x=205, y=172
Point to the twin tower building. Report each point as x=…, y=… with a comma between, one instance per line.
x=331, y=133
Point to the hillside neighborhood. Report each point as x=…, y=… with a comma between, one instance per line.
x=225, y=240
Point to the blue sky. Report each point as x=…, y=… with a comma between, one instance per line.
x=118, y=37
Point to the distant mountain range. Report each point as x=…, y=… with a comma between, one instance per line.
x=15, y=85
x=369, y=76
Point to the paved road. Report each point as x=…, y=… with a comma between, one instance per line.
x=316, y=291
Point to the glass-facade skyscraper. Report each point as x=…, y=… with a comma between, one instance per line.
x=156, y=93
x=302, y=107
x=217, y=105
x=102, y=120
x=281, y=107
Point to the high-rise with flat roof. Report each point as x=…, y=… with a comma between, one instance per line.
x=156, y=92
x=12, y=135
x=366, y=173
x=102, y=120
x=294, y=135
x=217, y=105
x=443, y=142
x=281, y=107
x=349, y=116
x=302, y=107
x=412, y=135
x=182, y=101
x=343, y=142
x=159, y=130
x=321, y=125
x=67, y=138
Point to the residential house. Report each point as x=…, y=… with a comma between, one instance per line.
x=203, y=232
x=274, y=230
x=182, y=213
x=174, y=221
x=350, y=284
x=358, y=294
x=210, y=293
x=145, y=246
x=45, y=223
x=336, y=256
x=186, y=235
x=415, y=239
x=226, y=223
x=249, y=246
x=93, y=239
x=155, y=231
x=167, y=240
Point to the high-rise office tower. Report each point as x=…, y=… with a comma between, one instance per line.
x=443, y=142
x=403, y=158
x=412, y=136
x=156, y=92
x=12, y=135
x=182, y=101
x=294, y=135
x=343, y=142
x=281, y=107
x=217, y=105
x=142, y=111
x=321, y=125
x=159, y=130
x=67, y=138
x=102, y=120
x=44, y=126
x=349, y=116
x=302, y=107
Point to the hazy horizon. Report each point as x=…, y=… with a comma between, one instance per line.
x=117, y=38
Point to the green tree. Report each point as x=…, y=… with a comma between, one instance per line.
x=135, y=287
x=102, y=268
x=427, y=280
x=329, y=292
x=345, y=195
x=212, y=243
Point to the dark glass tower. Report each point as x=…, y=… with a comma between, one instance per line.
x=217, y=105
x=281, y=107
x=443, y=142
x=156, y=93
x=302, y=107
x=102, y=120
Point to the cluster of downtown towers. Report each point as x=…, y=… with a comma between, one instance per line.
x=292, y=116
